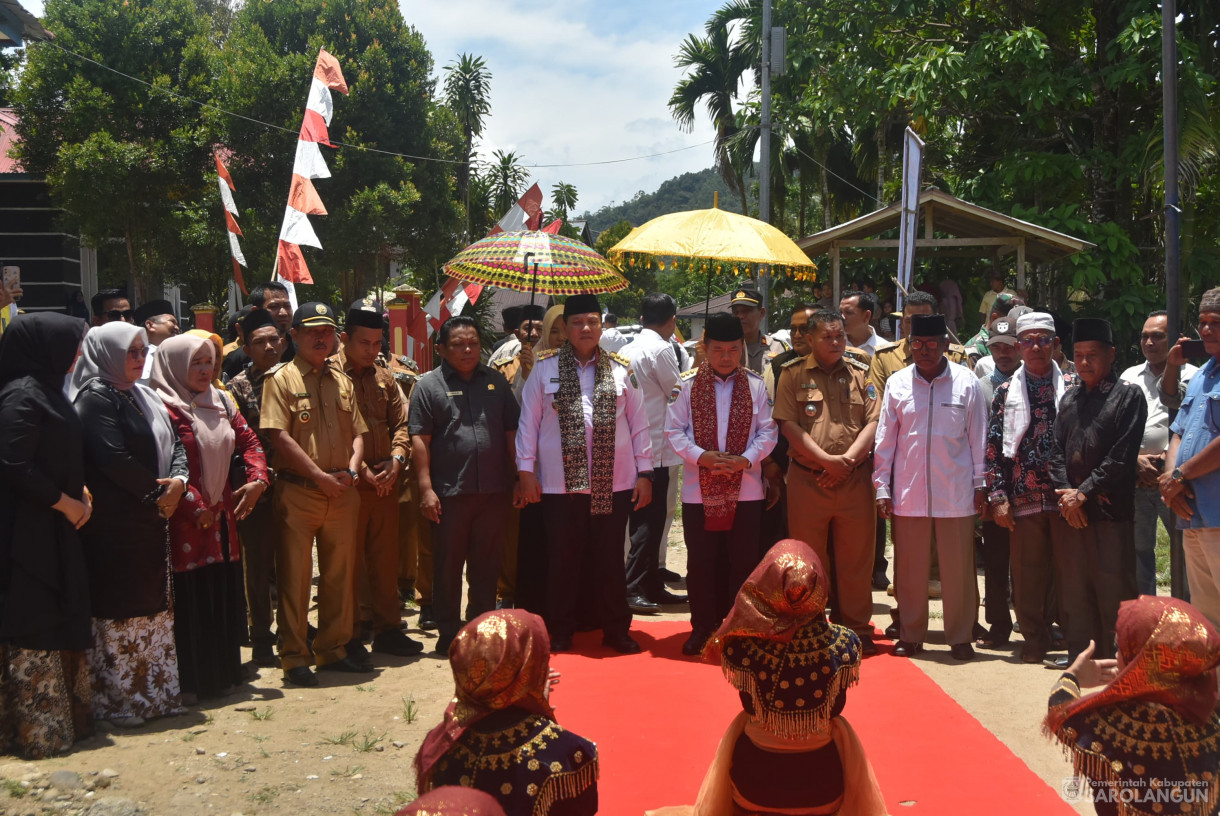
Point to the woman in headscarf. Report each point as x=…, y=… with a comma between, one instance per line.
x=1149, y=741
x=209, y=604
x=138, y=470
x=790, y=750
x=453, y=800
x=44, y=582
x=218, y=366
x=499, y=734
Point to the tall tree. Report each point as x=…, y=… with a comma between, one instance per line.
x=715, y=69
x=508, y=177
x=468, y=95
x=563, y=199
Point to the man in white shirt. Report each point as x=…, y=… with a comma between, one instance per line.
x=720, y=423
x=612, y=339
x=654, y=367
x=857, y=309
x=1163, y=384
x=584, y=451
x=929, y=472
x=157, y=318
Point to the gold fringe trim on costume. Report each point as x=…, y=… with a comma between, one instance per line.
x=793, y=724
x=566, y=785
x=1097, y=768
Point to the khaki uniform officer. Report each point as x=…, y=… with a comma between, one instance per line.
x=386, y=445
x=310, y=412
x=827, y=410
x=414, y=534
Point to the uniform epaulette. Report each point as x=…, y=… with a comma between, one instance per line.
x=957, y=347
x=686, y=375
x=620, y=359
x=503, y=361
x=857, y=364
x=271, y=371
x=542, y=355
x=882, y=346
x=792, y=362
x=752, y=373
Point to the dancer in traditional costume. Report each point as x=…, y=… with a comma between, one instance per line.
x=499, y=734
x=790, y=750
x=453, y=800
x=1149, y=741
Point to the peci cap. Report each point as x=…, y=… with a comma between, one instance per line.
x=257, y=319
x=1035, y=321
x=1086, y=329
x=314, y=314
x=928, y=326
x=581, y=304
x=747, y=295
x=1003, y=332
x=365, y=313
x=152, y=309
x=723, y=327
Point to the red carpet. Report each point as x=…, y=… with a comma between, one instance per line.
x=658, y=716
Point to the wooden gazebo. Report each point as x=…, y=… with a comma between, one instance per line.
x=975, y=232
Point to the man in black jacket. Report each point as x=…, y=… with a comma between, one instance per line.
x=1098, y=432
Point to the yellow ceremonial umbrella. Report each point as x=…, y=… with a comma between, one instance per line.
x=721, y=239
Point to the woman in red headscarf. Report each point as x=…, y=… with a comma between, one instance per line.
x=453, y=800
x=790, y=750
x=499, y=734
x=1149, y=741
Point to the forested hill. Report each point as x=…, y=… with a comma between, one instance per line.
x=689, y=191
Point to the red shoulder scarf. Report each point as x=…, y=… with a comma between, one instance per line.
x=720, y=492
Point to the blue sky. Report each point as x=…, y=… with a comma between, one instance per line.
x=575, y=81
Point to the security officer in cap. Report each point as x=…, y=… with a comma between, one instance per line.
x=315, y=424
x=827, y=409
x=386, y=446
x=746, y=306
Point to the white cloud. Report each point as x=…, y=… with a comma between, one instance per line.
x=573, y=83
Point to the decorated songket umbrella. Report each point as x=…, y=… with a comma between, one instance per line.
x=716, y=239
x=536, y=262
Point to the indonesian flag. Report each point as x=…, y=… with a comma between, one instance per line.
x=525, y=214
x=449, y=300
x=225, y=181
x=303, y=200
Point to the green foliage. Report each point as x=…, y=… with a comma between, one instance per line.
x=468, y=96
x=507, y=178
x=689, y=191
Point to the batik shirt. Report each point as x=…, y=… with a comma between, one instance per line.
x=1025, y=481
x=246, y=388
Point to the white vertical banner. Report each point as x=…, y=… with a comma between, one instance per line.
x=912, y=165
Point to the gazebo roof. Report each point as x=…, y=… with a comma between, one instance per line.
x=977, y=231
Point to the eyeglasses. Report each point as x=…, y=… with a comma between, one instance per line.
x=930, y=343
x=804, y=328
x=136, y=353
x=1040, y=341
x=127, y=316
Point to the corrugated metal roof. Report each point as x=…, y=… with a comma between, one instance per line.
x=18, y=26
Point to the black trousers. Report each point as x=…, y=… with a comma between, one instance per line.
x=471, y=534
x=531, y=561
x=259, y=533
x=995, y=579
x=718, y=563
x=1095, y=572
x=646, y=527
x=880, y=564
x=573, y=537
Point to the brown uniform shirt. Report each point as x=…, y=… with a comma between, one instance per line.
x=383, y=409
x=831, y=406
x=317, y=408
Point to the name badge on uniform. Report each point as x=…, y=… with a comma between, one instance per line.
x=811, y=386
x=453, y=393
x=554, y=379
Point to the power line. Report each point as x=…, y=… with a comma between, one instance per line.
x=836, y=175
x=366, y=148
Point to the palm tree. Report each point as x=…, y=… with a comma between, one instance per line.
x=508, y=177
x=716, y=69
x=563, y=199
x=467, y=93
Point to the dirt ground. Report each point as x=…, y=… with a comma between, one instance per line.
x=347, y=746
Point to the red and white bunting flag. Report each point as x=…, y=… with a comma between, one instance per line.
x=303, y=199
x=449, y=300
x=525, y=214
x=225, y=181
x=553, y=227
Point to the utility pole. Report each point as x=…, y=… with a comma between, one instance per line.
x=764, y=150
x=1173, y=213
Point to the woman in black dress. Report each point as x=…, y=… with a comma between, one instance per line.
x=44, y=584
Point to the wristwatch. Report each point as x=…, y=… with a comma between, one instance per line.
x=400, y=459
x=645, y=474
x=1176, y=475
x=353, y=474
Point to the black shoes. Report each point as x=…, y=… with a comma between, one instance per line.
x=426, y=621
x=1060, y=663
x=358, y=654
x=264, y=652
x=666, y=597
x=561, y=643
x=893, y=630
x=905, y=648
x=623, y=644
x=880, y=582
x=442, y=646
x=346, y=665
x=669, y=576
x=867, y=647
x=962, y=651
x=695, y=643
x=301, y=676
x=642, y=606
x=396, y=642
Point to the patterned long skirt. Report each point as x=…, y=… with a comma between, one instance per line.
x=135, y=668
x=45, y=703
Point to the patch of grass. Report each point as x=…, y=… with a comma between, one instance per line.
x=188, y=736
x=348, y=772
x=209, y=718
x=263, y=713
x=265, y=796
x=344, y=738
x=369, y=687
x=14, y=788
x=1163, y=574
x=409, y=709
x=393, y=803
x=367, y=741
